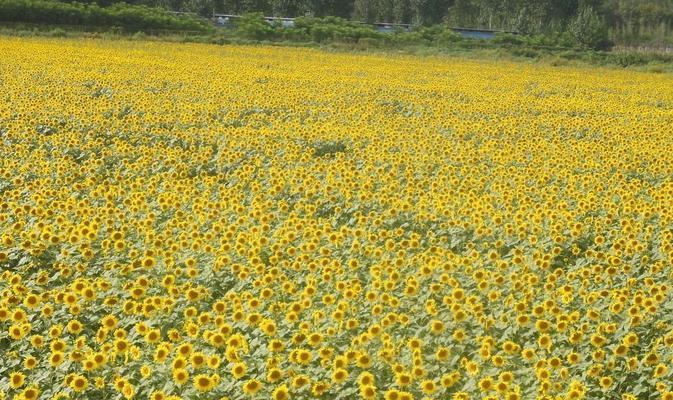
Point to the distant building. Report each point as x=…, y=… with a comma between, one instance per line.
x=391, y=27
x=474, y=33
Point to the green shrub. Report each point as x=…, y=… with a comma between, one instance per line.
x=447, y=36
x=572, y=54
x=58, y=32
x=295, y=34
x=327, y=29
x=404, y=39
x=439, y=35
x=369, y=43
x=508, y=39
x=566, y=39
x=525, y=52
x=253, y=26
x=127, y=17
x=140, y=35
x=628, y=59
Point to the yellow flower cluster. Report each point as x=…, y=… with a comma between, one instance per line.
x=182, y=221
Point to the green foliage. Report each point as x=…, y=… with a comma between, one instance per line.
x=122, y=15
x=592, y=24
x=629, y=59
x=58, y=32
x=254, y=26
x=550, y=40
x=509, y=39
x=326, y=29
x=139, y=36
x=440, y=34
x=434, y=36
x=589, y=30
x=640, y=21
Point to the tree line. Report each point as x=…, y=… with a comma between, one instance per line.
x=529, y=16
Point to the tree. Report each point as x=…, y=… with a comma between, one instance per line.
x=402, y=12
x=287, y=8
x=589, y=29
x=364, y=10
x=463, y=13
x=261, y=6
x=204, y=8
x=428, y=12
x=385, y=10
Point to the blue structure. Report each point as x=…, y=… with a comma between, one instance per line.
x=476, y=33
x=391, y=28
x=284, y=22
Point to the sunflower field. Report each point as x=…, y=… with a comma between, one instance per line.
x=186, y=221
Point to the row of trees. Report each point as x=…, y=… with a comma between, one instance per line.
x=534, y=16
x=637, y=18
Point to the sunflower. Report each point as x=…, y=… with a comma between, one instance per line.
x=251, y=387
x=30, y=393
x=158, y=395
x=56, y=358
x=281, y=393
x=428, y=387
x=368, y=392
x=300, y=381
x=30, y=362
x=238, y=370
x=203, y=383
x=16, y=380
x=605, y=382
x=79, y=383
x=180, y=376
x=339, y=375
